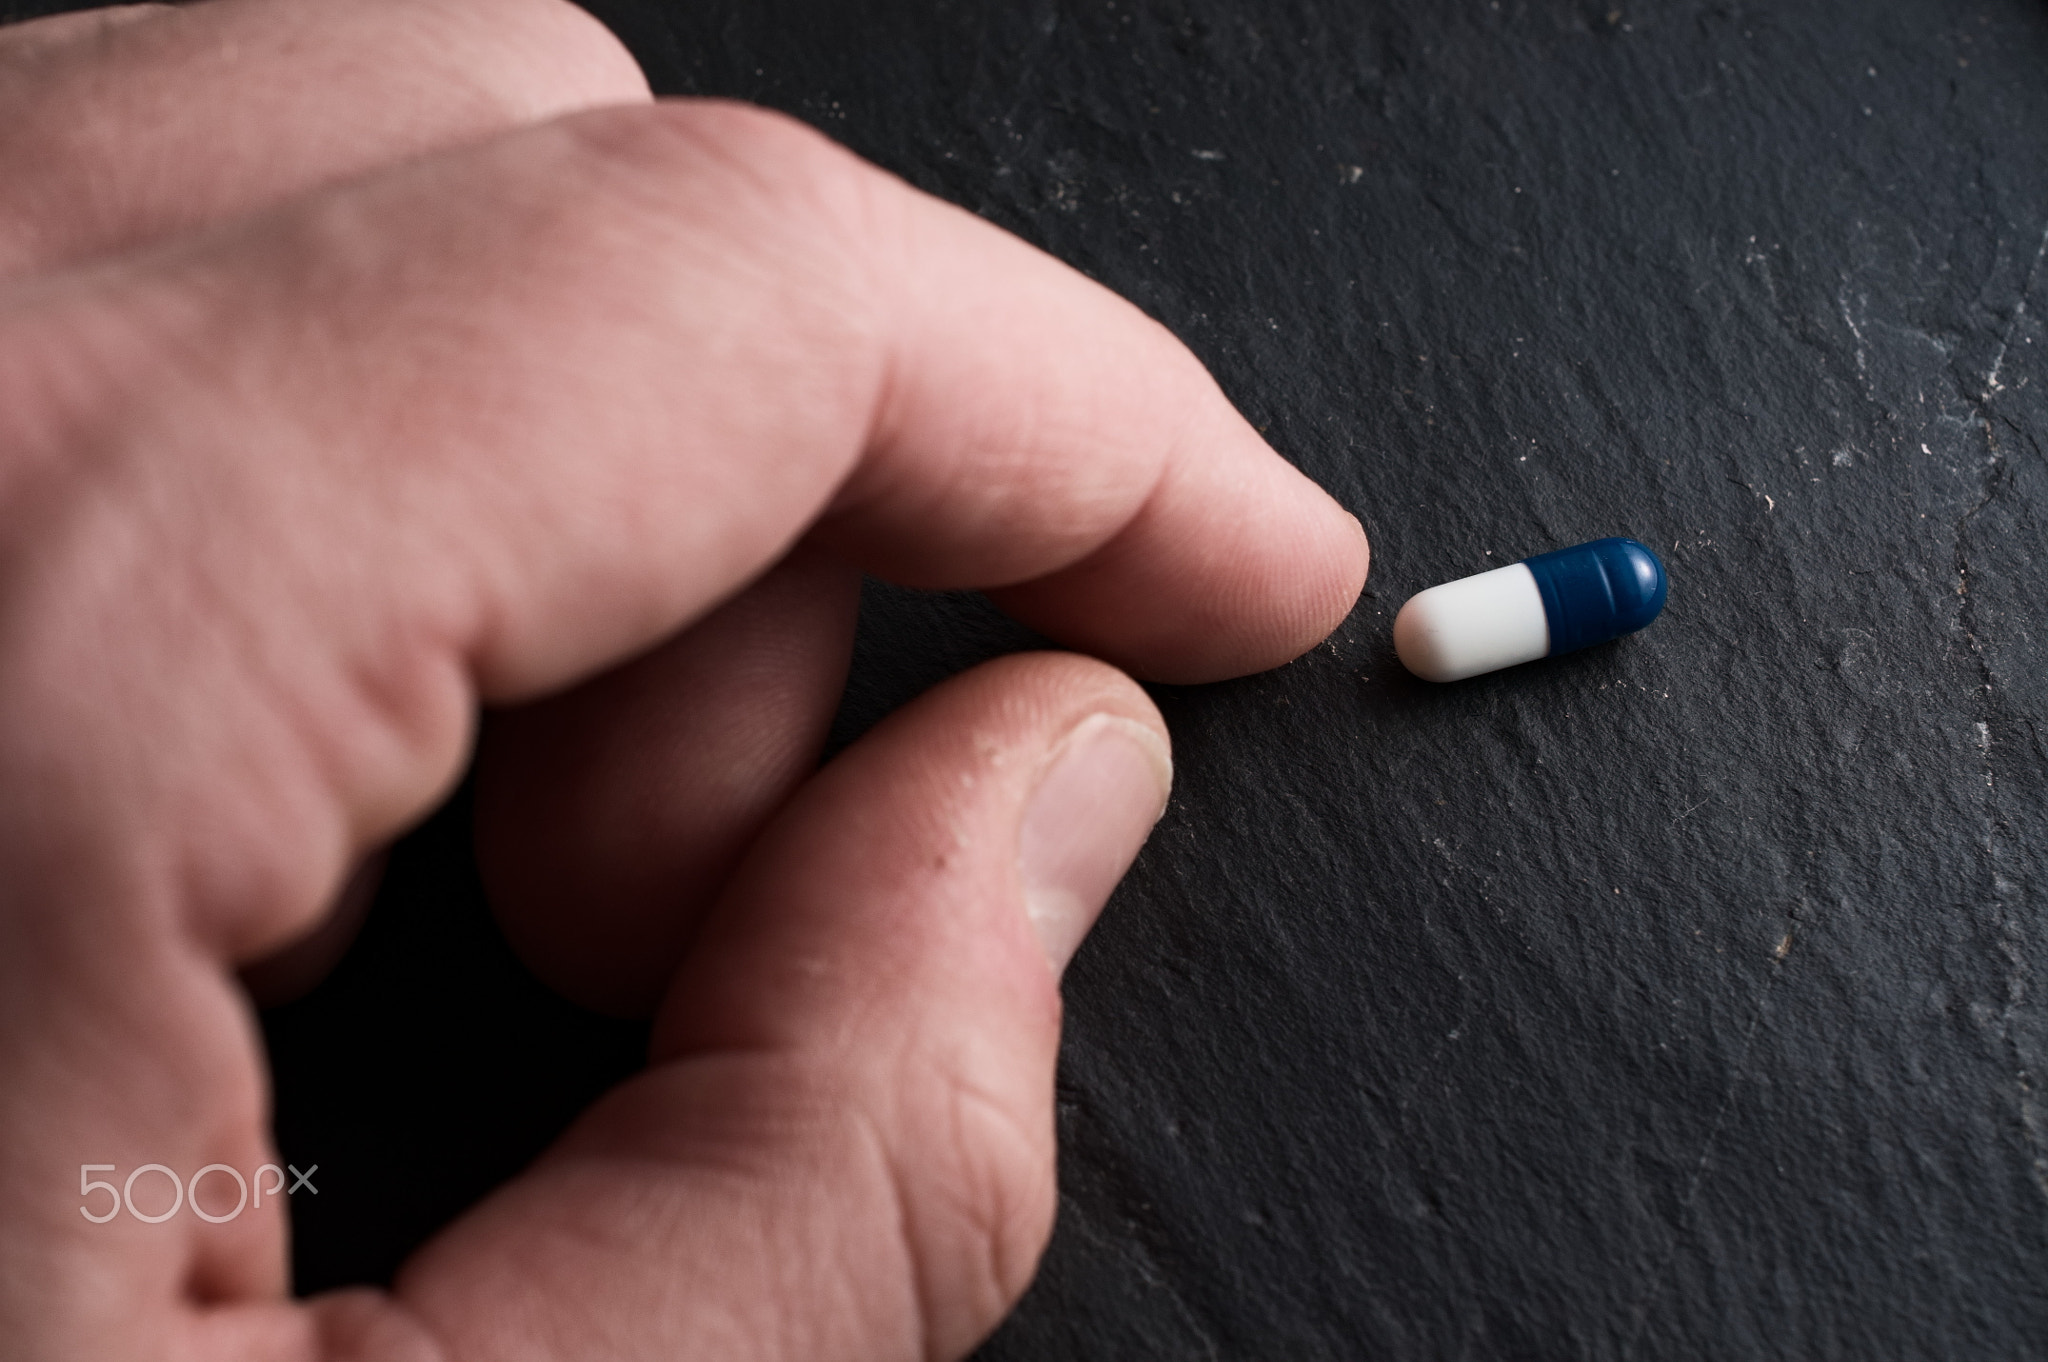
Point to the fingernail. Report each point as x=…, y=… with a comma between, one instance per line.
x=1100, y=796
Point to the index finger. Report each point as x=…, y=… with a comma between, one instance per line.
x=626, y=359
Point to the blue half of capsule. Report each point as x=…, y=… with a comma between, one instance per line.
x=1597, y=591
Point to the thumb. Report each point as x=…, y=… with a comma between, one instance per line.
x=844, y=1146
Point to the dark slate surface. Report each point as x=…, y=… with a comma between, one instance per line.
x=1682, y=998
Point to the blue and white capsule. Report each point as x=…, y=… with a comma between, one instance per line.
x=1540, y=607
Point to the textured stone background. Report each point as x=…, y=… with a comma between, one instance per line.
x=1682, y=998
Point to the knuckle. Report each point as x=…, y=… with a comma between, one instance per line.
x=772, y=224
x=774, y=187
x=535, y=58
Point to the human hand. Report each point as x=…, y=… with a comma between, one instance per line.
x=346, y=384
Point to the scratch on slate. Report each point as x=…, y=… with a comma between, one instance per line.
x=1991, y=384
x=1695, y=808
x=1639, y=1314
x=1862, y=345
x=2028, y=1062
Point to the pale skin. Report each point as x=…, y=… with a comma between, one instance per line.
x=368, y=367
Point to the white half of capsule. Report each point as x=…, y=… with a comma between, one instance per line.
x=1473, y=625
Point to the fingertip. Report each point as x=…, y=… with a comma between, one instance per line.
x=1354, y=563
x=1260, y=565
x=1317, y=567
